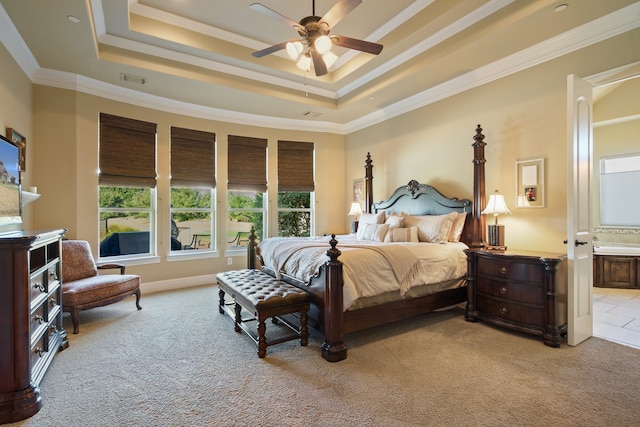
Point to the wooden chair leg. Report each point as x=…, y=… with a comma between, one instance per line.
x=138, y=300
x=74, y=320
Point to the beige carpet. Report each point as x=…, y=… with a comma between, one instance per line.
x=178, y=362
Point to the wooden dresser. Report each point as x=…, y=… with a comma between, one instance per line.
x=31, y=331
x=521, y=290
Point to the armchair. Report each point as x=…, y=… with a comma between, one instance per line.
x=83, y=288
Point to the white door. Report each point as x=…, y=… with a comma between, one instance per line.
x=579, y=239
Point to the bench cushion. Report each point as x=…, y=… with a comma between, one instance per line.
x=260, y=289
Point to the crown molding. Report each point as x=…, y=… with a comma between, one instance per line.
x=70, y=81
x=618, y=22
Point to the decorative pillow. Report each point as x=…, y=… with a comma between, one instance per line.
x=375, y=232
x=402, y=235
x=394, y=221
x=431, y=228
x=368, y=218
x=457, y=226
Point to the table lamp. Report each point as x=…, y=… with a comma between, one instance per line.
x=495, y=207
x=355, y=212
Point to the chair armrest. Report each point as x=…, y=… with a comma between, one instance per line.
x=111, y=266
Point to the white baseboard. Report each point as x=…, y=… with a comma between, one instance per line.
x=172, y=284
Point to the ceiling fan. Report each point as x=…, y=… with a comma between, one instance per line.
x=315, y=45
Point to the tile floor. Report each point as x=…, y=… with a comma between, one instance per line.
x=616, y=315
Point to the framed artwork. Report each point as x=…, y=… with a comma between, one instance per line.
x=530, y=183
x=21, y=142
x=358, y=190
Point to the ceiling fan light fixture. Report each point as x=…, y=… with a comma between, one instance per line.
x=323, y=44
x=294, y=49
x=329, y=58
x=304, y=63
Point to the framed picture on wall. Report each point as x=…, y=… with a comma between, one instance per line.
x=530, y=183
x=21, y=142
x=358, y=190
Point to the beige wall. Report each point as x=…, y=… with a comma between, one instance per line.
x=617, y=118
x=523, y=116
x=15, y=112
x=67, y=128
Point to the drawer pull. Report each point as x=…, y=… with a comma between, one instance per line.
x=53, y=275
x=53, y=302
x=503, y=310
x=39, y=319
x=53, y=329
x=503, y=270
x=503, y=290
x=40, y=287
x=40, y=352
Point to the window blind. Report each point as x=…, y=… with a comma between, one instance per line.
x=295, y=166
x=247, y=164
x=192, y=158
x=127, y=152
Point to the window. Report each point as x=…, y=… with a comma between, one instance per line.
x=295, y=188
x=247, y=185
x=192, y=189
x=619, y=195
x=127, y=183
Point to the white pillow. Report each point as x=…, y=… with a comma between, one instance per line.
x=457, y=226
x=368, y=218
x=375, y=232
x=431, y=228
x=394, y=221
x=402, y=235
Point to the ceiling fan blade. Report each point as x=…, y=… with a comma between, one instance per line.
x=339, y=11
x=318, y=63
x=361, y=45
x=274, y=48
x=275, y=15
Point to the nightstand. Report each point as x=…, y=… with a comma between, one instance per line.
x=522, y=290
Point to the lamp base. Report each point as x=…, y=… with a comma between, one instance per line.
x=496, y=237
x=354, y=226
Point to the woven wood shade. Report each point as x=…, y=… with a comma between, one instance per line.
x=127, y=152
x=295, y=166
x=193, y=158
x=247, y=164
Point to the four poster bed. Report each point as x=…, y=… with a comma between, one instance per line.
x=407, y=258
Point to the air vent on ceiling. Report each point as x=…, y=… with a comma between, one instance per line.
x=132, y=79
x=311, y=114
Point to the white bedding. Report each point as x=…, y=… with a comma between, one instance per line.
x=370, y=268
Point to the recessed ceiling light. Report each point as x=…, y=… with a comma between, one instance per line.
x=73, y=19
x=561, y=7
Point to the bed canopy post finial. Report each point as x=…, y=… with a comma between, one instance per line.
x=252, y=249
x=478, y=233
x=368, y=183
x=333, y=349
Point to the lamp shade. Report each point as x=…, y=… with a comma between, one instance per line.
x=355, y=209
x=294, y=49
x=496, y=205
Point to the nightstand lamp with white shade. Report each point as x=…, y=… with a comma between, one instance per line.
x=496, y=206
x=355, y=212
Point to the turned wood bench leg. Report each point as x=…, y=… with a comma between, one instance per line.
x=221, y=303
x=238, y=319
x=304, y=332
x=262, y=340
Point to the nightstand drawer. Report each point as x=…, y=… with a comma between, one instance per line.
x=511, y=311
x=508, y=269
x=516, y=292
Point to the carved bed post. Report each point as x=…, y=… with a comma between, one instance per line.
x=251, y=249
x=333, y=349
x=478, y=233
x=368, y=184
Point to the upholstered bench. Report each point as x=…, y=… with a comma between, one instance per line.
x=263, y=296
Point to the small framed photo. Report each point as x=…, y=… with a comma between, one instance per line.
x=530, y=183
x=358, y=190
x=21, y=142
